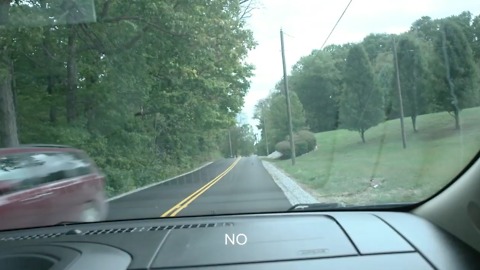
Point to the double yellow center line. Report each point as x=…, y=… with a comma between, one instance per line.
x=185, y=202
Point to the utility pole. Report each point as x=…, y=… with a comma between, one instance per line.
x=400, y=100
x=230, y=142
x=289, y=112
x=265, y=130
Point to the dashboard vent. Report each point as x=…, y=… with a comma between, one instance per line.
x=157, y=228
x=120, y=230
x=30, y=237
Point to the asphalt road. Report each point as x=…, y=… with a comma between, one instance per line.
x=235, y=185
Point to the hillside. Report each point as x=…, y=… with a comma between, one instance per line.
x=342, y=167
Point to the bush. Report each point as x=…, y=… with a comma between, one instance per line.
x=309, y=137
x=301, y=146
x=284, y=148
x=304, y=140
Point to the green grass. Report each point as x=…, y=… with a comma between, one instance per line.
x=341, y=167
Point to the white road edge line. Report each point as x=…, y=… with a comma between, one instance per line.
x=158, y=183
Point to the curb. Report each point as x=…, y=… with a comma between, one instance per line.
x=157, y=183
x=294, y=193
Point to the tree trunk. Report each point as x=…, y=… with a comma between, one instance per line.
x=89, y=104
x=53, y=109
x=415, y=109
x=362, y=134
x=414, y=122
x=50, y=76
x=456, y=113
x=8, y=119
x=71, y=97
x=451, y=85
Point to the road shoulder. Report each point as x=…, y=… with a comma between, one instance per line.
x=294, y=193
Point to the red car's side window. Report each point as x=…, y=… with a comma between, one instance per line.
x=16, y=173
x=28, y=170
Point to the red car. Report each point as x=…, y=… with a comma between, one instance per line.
x=43, y=185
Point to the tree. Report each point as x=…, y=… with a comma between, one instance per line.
x=379, y=50
x=476, y=31
x=464, y=20
x=271, y=113
x=361, y=103
x=247, y=142
x=315, y=80
x=8, y=121
x=413, y=77
x=384, y=74
x=277, y=115
x=242, y=140
x=265, y=145
x=459, y=88
x=425, y=28
x=375, y=44
x=339, y=54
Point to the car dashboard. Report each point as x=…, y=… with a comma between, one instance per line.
x=318, y=240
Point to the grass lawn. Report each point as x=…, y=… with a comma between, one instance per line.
x=342, y=166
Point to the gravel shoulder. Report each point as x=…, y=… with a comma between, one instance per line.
x=293, y=191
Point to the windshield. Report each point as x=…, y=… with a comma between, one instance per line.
x=114, y=110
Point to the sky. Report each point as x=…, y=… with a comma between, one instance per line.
x=307, y=23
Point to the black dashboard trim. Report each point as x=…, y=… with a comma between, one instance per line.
x=152, y=260
x=435, y=247
x=408, y=241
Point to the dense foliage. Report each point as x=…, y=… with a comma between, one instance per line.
x=148, y=90
x=238, y=141
x=272, y=113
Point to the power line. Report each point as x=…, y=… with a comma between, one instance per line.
x=287, y=34
x=333, y=29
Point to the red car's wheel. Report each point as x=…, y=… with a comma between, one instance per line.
x=91, y=212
